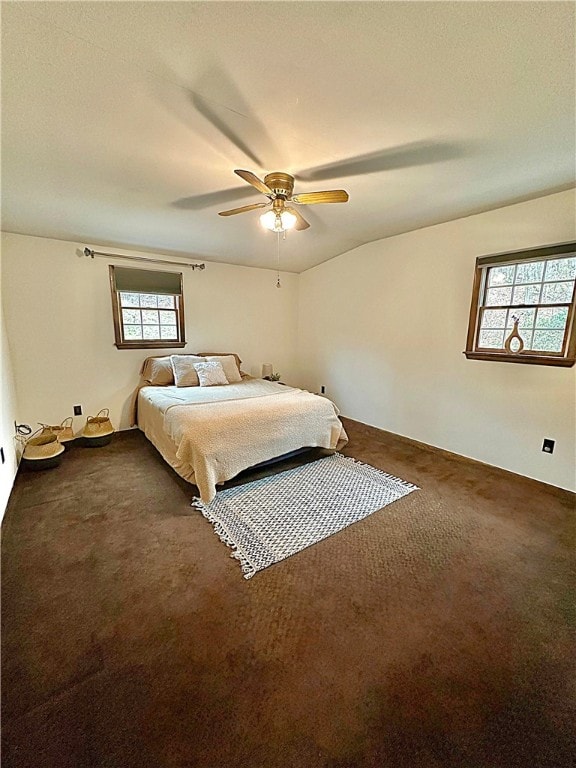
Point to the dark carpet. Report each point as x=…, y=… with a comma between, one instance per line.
x=436, y=633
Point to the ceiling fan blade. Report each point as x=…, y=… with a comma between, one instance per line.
x=210, y=114
x=301, y=222
x=243, y=209
x=219, y=99
x=330, y=196
x=255, y=181
x=405, y=156
x=220, y=197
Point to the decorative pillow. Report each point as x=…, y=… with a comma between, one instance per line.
x=210, y=373
x=158, y=371
x=223, y=354
x=184, y=372
x=228, y=363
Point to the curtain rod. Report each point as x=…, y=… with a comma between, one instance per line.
x=89, y=252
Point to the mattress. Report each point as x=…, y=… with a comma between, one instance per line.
x=210, y=434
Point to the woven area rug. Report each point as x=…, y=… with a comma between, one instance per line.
x=272, y=518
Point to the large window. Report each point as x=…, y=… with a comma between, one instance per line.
x=148, y=308
x=523, y=307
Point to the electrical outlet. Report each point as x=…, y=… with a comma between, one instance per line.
x=2, y=458
x=322, y=390
x=548, y=445
x=77, y=410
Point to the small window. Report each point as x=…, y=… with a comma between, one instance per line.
x=523, y=307
x=148, y=308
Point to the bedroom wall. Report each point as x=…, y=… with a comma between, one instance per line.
x=59, y=320
x=384, y=325
x=7, y=411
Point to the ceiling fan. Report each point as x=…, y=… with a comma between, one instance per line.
x=278, y=188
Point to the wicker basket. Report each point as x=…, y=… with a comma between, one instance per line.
x=99, y=425
x=98, y=430
x=63, y=432
x=42, y=446
x=67, y=432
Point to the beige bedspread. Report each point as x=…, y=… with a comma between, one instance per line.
x=216, y=432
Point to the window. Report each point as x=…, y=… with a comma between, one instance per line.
x=523, y=307
x=148, y=308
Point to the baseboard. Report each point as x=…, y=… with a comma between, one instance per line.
x=555, y=490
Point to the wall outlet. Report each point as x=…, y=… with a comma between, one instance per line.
x=77, y=410
x=2, y=457
x=322, y=390
x=548, y=445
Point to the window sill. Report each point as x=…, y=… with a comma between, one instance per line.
x=505, y=357
x=150, y=345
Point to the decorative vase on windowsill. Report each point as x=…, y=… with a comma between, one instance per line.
x=514, y=344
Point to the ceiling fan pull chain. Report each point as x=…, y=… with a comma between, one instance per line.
x=278, y=285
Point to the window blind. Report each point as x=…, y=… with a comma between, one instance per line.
x=147, y=281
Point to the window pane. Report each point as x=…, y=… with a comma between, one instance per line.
x=526, y=336
x=132, y=332
x=526, y=318
x=131, y=316
x=494, y=318
x=554, y=293
x=166, y=302
x=167, y=318
x=151, y=332
x=130, y=299
x=561, y=269
x=526, y=294
x=498, y=297
x=148, y=300
x=548, y=341
x=531, y=272
x=501, y=275
x=169, y=332
x=493, y=339
x=150, y=316
x=552, y=317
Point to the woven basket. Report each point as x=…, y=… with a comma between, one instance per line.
x=63, y=432
x=99, y=425
x=66, y=433
x=42, y=446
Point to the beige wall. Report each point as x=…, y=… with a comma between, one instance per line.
x=59, y=322
x=384, y=326
x=7, y=410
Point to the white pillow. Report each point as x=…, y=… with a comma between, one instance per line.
x=230, y=367
x=210, y=373
x=184, y=372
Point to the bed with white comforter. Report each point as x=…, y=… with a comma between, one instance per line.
x=210, y=434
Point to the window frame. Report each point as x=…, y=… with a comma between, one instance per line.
x=120, y=341
x=565, y=359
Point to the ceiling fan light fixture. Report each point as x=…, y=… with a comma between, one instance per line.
x=278, y=221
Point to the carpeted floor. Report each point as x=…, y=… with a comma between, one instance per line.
x=433, y=634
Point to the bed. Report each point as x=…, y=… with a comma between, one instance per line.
x=209, y=434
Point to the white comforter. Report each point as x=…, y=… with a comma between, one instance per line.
x=219, y=431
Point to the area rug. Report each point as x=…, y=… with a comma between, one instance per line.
x=270, y=519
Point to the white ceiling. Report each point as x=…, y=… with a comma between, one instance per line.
x=122, y=122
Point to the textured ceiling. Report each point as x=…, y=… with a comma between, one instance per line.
x=122, y=122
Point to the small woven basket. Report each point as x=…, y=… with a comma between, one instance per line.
x=63, y=432
x=42, y=446
x=66, y=433
x=99, y=425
